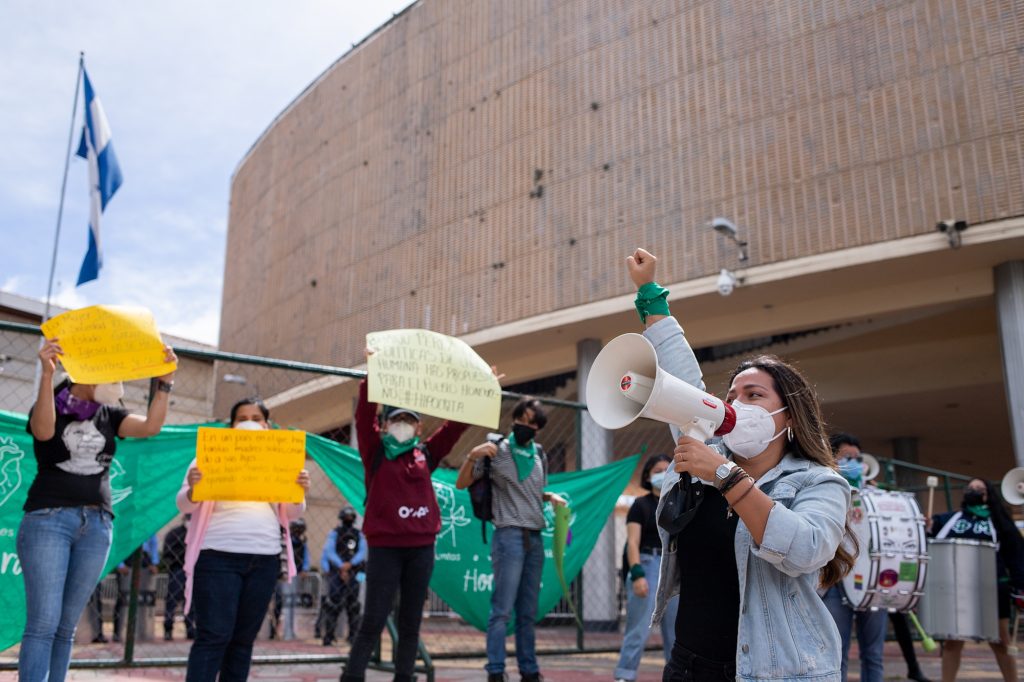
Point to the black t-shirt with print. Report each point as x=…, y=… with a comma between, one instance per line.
x=74, y=465
x=644, y=512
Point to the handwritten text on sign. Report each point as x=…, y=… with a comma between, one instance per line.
x=434, y=374
x=105, y=343
x=254, y=466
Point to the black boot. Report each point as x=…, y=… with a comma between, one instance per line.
x=532, y=677
x=404, y=678
x=497, y=677
x=346, y=677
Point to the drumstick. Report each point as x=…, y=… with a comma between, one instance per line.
x=927, y=643
x=933, y=483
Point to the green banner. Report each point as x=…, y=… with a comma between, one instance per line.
x=147, y=473
x=463, y=575
x=144, y=478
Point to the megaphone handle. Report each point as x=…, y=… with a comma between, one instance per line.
x=699, y=429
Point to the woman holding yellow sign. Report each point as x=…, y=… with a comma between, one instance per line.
x=65, y=535
x=232, y=561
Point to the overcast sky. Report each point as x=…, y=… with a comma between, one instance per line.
x=187, y=86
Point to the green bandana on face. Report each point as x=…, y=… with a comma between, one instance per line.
x=392, y=448
x=980, y=510
x=522, y=456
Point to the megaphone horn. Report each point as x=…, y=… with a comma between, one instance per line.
x=871, y=466
x=626, y=383
x=1012, y=486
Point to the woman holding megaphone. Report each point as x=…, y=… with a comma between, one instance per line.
x=764, y=526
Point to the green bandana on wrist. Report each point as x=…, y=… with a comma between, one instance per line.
x=980, y=510
x=524, y=457
x=651, y=299
x=392, y=448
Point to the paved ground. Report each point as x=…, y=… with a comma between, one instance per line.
x=978, y=664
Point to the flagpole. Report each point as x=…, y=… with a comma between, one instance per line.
x=64, y=184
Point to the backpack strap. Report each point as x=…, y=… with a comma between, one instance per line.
x=486, y=474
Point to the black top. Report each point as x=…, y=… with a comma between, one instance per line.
x=709, y=597
x=644, y=512
x=74, y=465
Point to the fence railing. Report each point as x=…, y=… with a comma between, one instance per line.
x=153, y=632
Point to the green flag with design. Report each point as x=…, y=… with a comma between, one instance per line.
x=146, y=475
x=463, y=576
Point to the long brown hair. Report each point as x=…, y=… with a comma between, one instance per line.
x=809, y=442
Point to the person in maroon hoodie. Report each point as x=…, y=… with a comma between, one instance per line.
x=401, y=521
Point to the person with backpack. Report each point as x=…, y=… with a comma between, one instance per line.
x=342, y=563
x=640, y=562
x=401, y=521
x=518, y=473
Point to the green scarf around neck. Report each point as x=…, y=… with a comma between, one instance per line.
x=524, y=457
x=393, y=449
x=980, y=510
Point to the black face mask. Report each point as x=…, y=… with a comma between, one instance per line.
x=973, y=497
x=523, y=433
x=347, y=522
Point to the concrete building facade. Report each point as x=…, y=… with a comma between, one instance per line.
x=482, y=169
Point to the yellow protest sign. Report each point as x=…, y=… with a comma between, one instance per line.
x=252, y=466
x=106, y=343
x=434, y=374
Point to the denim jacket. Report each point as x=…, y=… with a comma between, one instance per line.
x=785, y=631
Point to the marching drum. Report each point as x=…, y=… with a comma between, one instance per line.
x=893, y=559
x=961, y=601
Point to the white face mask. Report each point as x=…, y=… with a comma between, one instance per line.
x=108, y=394
x=250, y=425
x=401, y=431
x=754, y=430
x=657, y=480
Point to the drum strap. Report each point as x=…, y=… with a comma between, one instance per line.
x=946, y=529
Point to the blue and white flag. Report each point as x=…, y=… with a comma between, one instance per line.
x=104, y=176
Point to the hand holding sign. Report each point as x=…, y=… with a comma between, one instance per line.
x=433, y=374
x=105, y=344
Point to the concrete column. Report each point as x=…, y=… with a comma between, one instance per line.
x=1010, y=311
x=904, y=448
x=600, y=582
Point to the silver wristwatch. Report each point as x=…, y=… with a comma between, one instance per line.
x=722, y=473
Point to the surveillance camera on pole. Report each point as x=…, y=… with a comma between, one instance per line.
x=952, y=230
x=727, y=281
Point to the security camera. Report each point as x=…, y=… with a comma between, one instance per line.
x=952, y=229
x=727, y=281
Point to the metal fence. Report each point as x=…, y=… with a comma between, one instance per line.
x=206, y=384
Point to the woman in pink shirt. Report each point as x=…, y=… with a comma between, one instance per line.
x=232, y=560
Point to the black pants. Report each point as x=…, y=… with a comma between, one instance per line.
x=391, y=571
x=341, y=594
x=176, y=595
x=901, y=629
x=685, y=666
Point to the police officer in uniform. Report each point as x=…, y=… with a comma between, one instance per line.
x=342, y=564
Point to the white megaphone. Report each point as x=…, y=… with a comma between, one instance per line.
x=1013, y=486
x=871, y=466
x=625, y=383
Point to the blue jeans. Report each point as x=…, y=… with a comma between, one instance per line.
x=62, y=551
x=871, y=627
x=517, y=557
x=231, y=593
x=638, y=621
